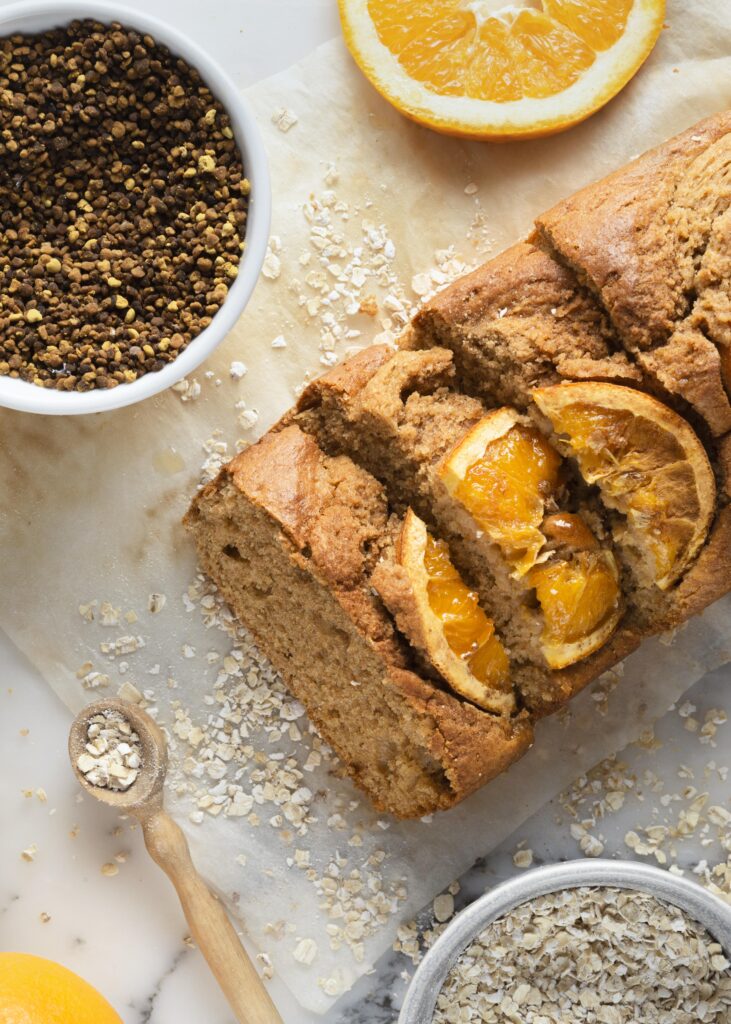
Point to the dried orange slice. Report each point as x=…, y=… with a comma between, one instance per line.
x=496, y=69
x=648, y=465
x=581, y=603
x=502, y=473
x=449, y=624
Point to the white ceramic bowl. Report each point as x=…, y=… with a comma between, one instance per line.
x=702, y=906
x=32, y=16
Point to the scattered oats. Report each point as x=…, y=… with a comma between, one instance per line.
x=443, y=906
x=188, y=390
x=109, y=870
x=108, y=615
x=95, y=680
x=470, y=189
x=188, y=651
x=86, y=611
x=421, y=284
x=248, y=418
x=29, y=853
x=523, y=858
x=284, y=119
x=589, y=955
x=272, y=266
x=128, y=691
x=122, y=645
x=156, y=603
x=44, y=917
x=305, y=951
x=267, y=968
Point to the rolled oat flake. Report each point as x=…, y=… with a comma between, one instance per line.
x=112, y=755
x=590, y=956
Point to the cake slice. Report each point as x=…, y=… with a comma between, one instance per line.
x=291, y=536
x=652, y=242
x=520, y=321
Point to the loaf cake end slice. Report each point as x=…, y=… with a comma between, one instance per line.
x=649, y=241
x=291, y=536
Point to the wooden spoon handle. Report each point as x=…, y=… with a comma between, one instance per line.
x=209, y=924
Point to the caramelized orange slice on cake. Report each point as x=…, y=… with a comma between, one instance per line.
x=502, y=473
x=448, y=623
x=500, y=69
x=578, y=591
x=648, y=464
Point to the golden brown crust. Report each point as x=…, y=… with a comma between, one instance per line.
x=710, y=577
x=348, y=377
x=464, y=737
x=651, y=241
x=616, y=234
x=520, y=320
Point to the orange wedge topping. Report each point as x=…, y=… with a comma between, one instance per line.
x=497, y=69
x=453, y=630
x=502, y=472
x=581, y=603
x=648, y=465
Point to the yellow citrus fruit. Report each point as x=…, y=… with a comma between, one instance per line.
x=38, y=991
x=453, y=629
x=648, y=464
x=500, y=69
x=502, y=473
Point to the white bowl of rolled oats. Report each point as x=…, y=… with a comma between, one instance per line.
x=584, y=942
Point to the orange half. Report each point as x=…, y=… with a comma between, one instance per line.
x=495, y=69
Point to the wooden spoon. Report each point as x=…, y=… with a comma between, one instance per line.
x=209, y=924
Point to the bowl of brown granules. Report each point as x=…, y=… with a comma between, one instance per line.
x=584, y=942
x=134, y=206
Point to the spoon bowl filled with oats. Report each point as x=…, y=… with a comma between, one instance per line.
x=134, y=206
x=584, y=942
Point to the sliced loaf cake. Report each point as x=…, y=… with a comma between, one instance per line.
x=291, y=537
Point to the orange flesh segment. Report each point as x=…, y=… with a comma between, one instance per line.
x=467, y=630
x=525, y=54
x=577, y=596
x=505, y=492
x=598, y=23
x=615, y=449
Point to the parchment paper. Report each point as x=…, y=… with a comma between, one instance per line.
x=91, y=505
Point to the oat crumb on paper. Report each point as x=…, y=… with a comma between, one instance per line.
x=284, y=119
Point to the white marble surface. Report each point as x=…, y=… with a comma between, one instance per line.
x=125, y=933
